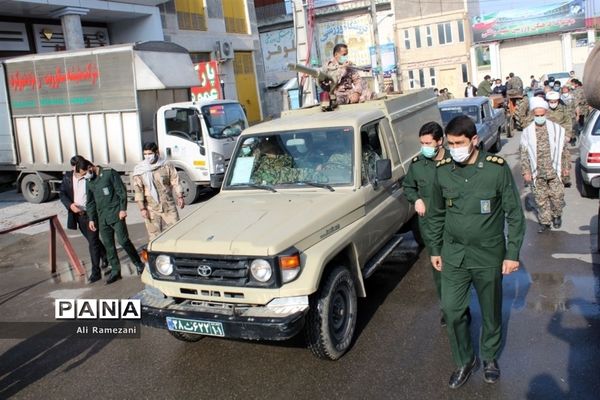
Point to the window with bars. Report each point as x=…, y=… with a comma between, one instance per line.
x=406, y=39
x=421, y=78
x=432, y=79
x=234, y=13
x=418, y=36
x=411, y=79
x=191, y=15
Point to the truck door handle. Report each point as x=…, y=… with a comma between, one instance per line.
x=168, y=152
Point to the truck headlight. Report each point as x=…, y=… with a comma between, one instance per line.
x=164, y=265
x=218, y=162
x=261, y=270
x=290, y=266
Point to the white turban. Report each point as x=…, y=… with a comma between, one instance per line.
x=552, y=96
x=537, y=102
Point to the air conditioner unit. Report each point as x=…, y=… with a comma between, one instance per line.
x=225, y=49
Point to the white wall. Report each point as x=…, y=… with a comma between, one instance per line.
x=136, y=30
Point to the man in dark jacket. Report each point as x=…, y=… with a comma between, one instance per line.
x=73, y=195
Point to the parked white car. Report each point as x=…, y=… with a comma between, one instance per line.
x=588, y=165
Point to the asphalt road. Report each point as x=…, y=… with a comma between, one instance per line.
x=550, y=351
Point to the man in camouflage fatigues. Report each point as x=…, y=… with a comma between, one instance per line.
x=154, y=182
x=580, y=103
x=558, y=112
x=545, y=162
x=348, y=85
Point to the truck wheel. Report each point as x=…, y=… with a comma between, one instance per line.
x=190, y=190
x=332, y=316
x=34, y=189
x=186, y=337
x=498, y=144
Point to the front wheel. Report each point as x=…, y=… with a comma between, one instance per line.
x=331, y=319
x=190, y=189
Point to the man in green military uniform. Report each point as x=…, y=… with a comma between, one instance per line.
x=472, y=197
x=485, y=87
x=107, y=210
x=419, y=181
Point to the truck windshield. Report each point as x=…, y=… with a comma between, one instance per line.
x=294, y=159
x=450, y=112
x=224, y=120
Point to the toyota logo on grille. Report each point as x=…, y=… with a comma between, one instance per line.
x=204, y=270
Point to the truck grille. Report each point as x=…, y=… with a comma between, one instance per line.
x=211, y=271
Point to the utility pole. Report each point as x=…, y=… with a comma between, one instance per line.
x=378, y=73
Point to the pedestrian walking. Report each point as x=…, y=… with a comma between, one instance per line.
x=157, y=190
x=419, y=180
x=544, y=163
x=473, y=198
x=73, y=195
x=107, y=210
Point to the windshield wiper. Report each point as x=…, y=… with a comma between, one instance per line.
x=255, y=186
x=316, y=184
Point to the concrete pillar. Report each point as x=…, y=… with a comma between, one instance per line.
x=70, y=18
x=495, y=60
x=567, y=50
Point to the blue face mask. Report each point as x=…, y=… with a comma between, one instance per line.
x=428, y=152
x=343, y=59
x=541, y=120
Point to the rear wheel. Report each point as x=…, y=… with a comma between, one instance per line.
x=331, y=319
x=190, y=189
x=35, y=189
x=186, y=337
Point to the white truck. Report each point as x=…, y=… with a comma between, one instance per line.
x=103, y=104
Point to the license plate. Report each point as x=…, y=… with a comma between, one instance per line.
x=209, y=328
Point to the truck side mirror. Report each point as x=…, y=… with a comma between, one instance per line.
x=383, y=170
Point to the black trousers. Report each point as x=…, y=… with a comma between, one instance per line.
x=97, y=250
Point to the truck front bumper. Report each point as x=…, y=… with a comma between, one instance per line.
x=239, y=322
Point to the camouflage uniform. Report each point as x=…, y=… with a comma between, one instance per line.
x=164, y=212
x=347, y=81
x=548, y=189
x=561, y=116
x=522, y=112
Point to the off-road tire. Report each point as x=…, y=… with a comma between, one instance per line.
x=186, y=337
x=331, y=319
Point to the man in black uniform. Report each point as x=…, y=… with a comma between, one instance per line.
x=72, y=194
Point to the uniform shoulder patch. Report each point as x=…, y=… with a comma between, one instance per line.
x=444, y=162
x=495, y=160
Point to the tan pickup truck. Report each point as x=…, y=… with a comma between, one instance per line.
x=311, y=205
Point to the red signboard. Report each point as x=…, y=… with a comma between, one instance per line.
x=210, y=88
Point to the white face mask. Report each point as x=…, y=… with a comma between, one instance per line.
x=89, y=175
x=461, y=154
x=151, y=158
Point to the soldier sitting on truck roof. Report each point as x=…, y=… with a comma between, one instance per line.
x=348, y=86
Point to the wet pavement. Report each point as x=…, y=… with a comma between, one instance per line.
x=551, y=347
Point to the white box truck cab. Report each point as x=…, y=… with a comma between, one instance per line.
x=103, y=104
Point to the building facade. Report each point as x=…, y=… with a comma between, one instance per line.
x=433, y=40
x=533, y=38
x=226, y=32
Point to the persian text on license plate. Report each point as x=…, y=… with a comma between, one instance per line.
x=195, y=326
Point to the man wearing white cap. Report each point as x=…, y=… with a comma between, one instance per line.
x=544, y=163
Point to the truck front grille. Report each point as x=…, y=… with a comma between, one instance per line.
x=211, y=271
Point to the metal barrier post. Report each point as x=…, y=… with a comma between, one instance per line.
x=55, y=226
